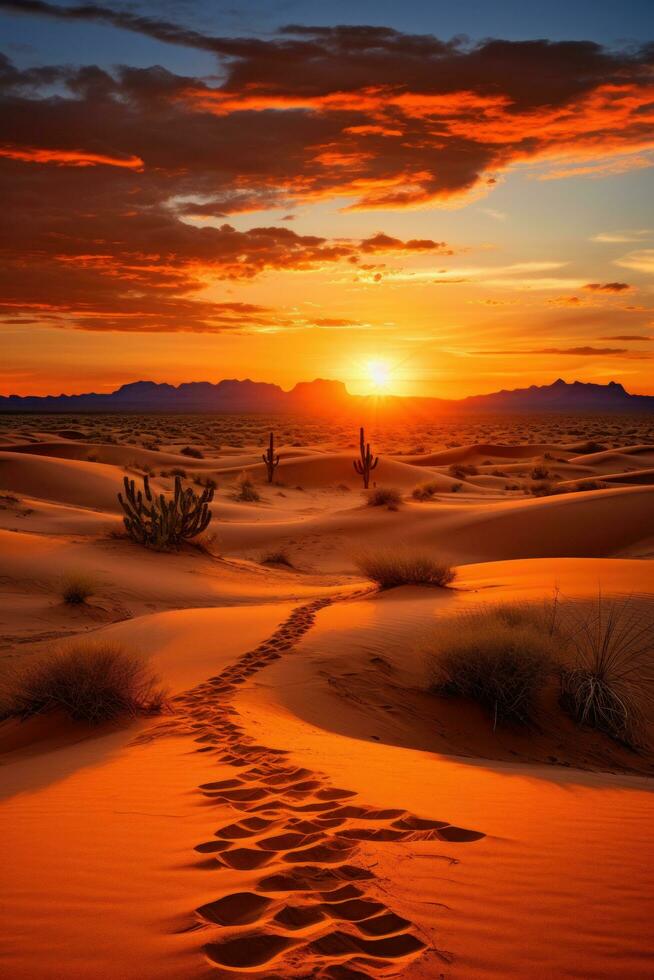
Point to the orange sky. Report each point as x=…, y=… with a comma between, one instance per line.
x=398, y=212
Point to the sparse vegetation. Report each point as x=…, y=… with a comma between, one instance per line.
x=583, y=485
x=246, y=491
x=540, y=473
x=279, y=557
x=384, y=497
x=461, y=470
x=425, y=491
x=162, y=523
x=610, y=682
x=77, y=587
x=367, y=462
x=270, y=459
x=590, y=447
x=499, y=657
x=89, y=683
x=393, y=567
x=192, y=452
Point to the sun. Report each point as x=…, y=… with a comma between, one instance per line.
x=379, y=373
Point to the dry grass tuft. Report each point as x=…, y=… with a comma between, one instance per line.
x=77, y=587
x=425, y=491
x=279, y=557
x=610, y=684
x=499, y=657
x=384, y=497
x=394, y=567
x=246, y=490
x=90, y=683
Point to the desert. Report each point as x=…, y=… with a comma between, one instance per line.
x=326, y=490
x=305, y=804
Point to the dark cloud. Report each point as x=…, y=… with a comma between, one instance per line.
x=110, y=181
x=608, y=287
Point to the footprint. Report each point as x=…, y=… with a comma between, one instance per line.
x=383, y=925
x=246, y=952
x=459, y=835
x=298, y=916
x=238, y=909
x=245, y=859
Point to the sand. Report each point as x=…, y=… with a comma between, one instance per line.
x=307, y=808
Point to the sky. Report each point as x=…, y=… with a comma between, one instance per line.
x=424, y=199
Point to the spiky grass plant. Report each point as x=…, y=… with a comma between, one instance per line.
x=610, y=684
x=391, y=567
x=89, y=682
x=77, y=587
x=384, y=497
x=500, y=657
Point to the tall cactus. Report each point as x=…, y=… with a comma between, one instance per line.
x=367, y=463
x=269, y=458
x=162, y=523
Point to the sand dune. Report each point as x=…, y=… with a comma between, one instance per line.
x=307, y=808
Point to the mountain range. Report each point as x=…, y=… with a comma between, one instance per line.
x=328, y=397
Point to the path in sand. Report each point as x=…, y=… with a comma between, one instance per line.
x=314, y=903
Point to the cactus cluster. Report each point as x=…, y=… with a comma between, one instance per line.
x=163, y=523
x=269, y=458
x=367, y=463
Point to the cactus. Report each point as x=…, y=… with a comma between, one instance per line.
x=366, y=464
x=163, y=523
x=269, y=458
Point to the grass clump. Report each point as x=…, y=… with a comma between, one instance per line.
x=393, y=567
x=425, y=491
x=89, y=683
x=609, y=685
x=192, y=452
x=384, y=497
x=246, y=490
x=461, y=470
x=279, y=557
x=501, y=658
x=77, y=587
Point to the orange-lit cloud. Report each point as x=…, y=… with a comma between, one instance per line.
x=68, y=158
x=607, y=287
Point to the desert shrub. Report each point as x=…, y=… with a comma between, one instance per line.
x=590, y=485
x=206, y=481
x=393, y=567
x=610, y=684
x=456, y=487
x=384, y=497
x=540, y=473
x=590, y=447
x=278, y=557
x=77, y=587
x=90, y=683
x=246, y=490
x=501, y=658
x=425, y=491
x=462, y=470
x=192, y=452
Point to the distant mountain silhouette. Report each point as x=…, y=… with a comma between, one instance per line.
x=327, y=397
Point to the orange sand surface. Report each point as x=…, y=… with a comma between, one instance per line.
x=306, y=808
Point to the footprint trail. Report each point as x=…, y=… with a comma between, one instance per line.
x=308, y=906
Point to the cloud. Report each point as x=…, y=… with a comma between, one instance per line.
x=111, y=221
x=582, y=351
x=641, y=261
x=607, y=287
x=628, y=336
x=617, y=237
